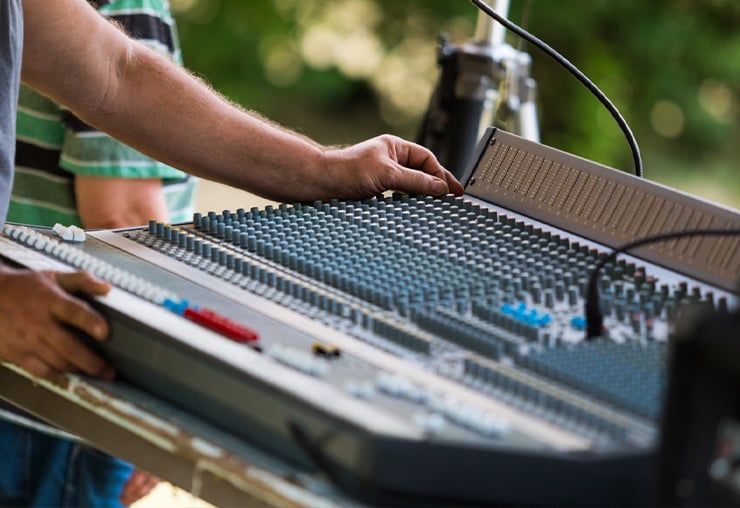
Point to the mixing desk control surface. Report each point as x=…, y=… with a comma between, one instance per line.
x=417, y=349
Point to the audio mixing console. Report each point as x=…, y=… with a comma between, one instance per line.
x=418, y=349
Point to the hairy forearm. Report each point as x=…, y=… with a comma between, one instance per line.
x=199, y=131
x=127, y=90
x=121, y=87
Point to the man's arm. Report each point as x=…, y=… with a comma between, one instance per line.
x=123, y=88
x=106, y=202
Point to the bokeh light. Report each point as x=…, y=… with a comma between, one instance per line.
x=348, y=69
x=717, y=99
x=667, y=119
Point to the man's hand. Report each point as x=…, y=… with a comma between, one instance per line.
x=386, y=163
x=139, y=485
x=34, y=307
x=362, y=171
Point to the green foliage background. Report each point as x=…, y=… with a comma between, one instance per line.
x=671, y=66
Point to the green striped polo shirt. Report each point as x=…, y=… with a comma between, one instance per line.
x=52, y=145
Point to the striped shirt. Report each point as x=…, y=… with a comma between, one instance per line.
x=52, y=145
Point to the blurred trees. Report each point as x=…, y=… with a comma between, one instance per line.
x=349, y=69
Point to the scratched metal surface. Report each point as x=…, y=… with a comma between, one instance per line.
x=211, y=452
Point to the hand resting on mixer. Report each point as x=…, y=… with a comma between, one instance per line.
x=37, y=310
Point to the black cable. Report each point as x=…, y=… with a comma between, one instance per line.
x=594, y=316
x=552, y=53
x=526, y=11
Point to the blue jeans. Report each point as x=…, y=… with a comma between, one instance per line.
x=38, y=470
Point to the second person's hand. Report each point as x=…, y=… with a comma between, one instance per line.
x=37, y=310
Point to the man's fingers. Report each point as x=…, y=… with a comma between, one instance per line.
x=454, y=184
x=79, y=358
x=77, y=313
x=413, y=182
x=50, y=354
x=37, y=367
x=430, y=185
x=139, y=485
x=82, y=282
x=414, y=156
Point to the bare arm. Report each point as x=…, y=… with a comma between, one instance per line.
x=120, y=86
x=105, y=202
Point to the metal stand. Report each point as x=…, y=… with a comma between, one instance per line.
x=482, y=83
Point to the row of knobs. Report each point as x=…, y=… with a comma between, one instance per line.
x=403, y=251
